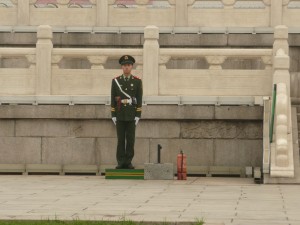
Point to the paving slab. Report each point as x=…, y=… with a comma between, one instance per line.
x=227, y=201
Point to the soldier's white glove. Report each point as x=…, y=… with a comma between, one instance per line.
x=136, y=120
x=129, y=101
x=114, y=119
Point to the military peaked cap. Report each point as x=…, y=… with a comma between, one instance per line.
x=126, y=59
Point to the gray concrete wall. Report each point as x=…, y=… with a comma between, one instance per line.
x=84, y=134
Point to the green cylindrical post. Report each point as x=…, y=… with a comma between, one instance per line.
x=273, y=113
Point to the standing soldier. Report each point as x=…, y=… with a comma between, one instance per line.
x=126, y=109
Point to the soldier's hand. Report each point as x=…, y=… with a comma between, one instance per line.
x=129, y=101
x=114, y=119
x=136, y=120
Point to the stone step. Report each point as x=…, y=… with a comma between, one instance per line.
x=129, y=174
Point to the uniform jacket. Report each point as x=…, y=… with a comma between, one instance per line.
x=134, y=88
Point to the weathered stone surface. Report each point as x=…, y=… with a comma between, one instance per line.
x=193, y=39
x=84, y=111
x=222, y=129
x=102, y=39
x=69, y=151
x=294, y=40
x=14, y=150
x=7, y=128
x=149, y=112
x=35, y=112
x=177, y=112
x=238, y=152
x=85, y=134
x=199, y=151
x=239, y=112
x=158, y=171
x=107, y=148
x=158, y=129
x=14, y=38
x=250, y=40
x=42, y=128
x=103, y=112
x=92, y=128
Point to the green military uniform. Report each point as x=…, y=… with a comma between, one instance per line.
x=125, y=114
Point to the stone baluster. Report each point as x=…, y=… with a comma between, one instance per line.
x=44, y=48
x=267, y=60
x=276, y=12
x=163, y=60
x=102, y=7
x=23, y=9
x=97, y=61
x=139, y=62
x=215, y=62
x=55, y=60
x=181, y=11
x=151, y=60
x=32, y=60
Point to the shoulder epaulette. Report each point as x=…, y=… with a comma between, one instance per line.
x=136, y=77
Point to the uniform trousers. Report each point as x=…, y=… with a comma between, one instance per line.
x=126, y=140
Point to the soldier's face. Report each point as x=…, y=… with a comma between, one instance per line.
x=127, y=68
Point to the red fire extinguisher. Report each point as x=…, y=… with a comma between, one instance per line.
x=181, y=166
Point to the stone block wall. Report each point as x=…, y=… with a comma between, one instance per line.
x=84, y=135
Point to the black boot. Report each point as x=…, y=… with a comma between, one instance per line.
x=119, y=167
x=130, y=166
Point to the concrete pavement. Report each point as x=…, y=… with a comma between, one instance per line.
x=216, y=200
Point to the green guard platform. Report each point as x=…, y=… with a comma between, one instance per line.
x=135, y=174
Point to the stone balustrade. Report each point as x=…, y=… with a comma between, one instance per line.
x=282, y=164
x=45, y=75
x=163, y=13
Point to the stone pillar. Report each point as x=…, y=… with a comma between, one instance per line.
x=181, y=16
x=102, y=12
x=281, y=35
x=281, y=59
x=44, y=48
x=151, y=61
x=281, y=69
x=23, y=11
x=276, y=12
